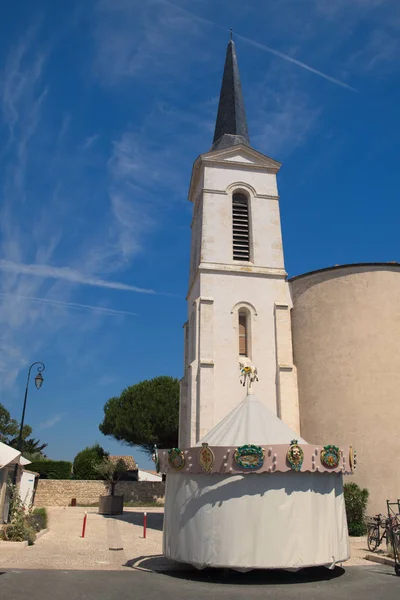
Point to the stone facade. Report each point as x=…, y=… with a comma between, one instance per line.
x=59, y=492
x=220, y=287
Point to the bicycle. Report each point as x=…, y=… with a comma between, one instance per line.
x=374, y=535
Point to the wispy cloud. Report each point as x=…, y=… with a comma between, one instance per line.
x=283, y=119
x=379, y=53
x=68, y=274
x=331, y=8
x=140, y=39
x=106, y=380
x=52, y=421
x=18, y=82
x=90, y=141
x=54, y=175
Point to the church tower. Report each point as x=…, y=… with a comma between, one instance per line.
x=238, y=298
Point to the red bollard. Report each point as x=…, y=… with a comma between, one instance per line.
x=84, y=525
x=144, y=524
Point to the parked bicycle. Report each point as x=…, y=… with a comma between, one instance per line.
x=377, y=531
x=381, y=528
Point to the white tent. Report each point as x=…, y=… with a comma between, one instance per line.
x=250, y=422
x=283, y=519
x=8, y=455
x=11, y=456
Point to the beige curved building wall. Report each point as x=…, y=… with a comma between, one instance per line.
x=346, y=342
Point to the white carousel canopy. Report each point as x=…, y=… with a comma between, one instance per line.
x=254, y=521
x=251, y=422
x=10, y=456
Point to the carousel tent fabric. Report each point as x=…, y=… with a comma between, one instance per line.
x=8, y=455
x=11, y=456
x=270, y=520
x=250, y=420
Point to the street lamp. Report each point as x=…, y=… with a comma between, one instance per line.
x=38, y=380
x=38, y=383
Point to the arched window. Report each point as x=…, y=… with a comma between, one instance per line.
x=243, y=334
x=240, y=227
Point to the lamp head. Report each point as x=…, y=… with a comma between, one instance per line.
x=38, y=380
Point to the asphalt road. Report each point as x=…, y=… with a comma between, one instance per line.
x=354, y=583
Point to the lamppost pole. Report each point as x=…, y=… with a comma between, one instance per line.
x=38, y=383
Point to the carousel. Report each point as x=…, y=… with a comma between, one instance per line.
x=253, y=495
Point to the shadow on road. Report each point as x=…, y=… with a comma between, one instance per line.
x=154, y=520
x=162, y=565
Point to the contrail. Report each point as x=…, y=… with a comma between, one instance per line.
x=68, y=274
x=110, y=311
x=295, y=62
x=265, y=48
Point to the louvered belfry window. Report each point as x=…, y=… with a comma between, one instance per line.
x=241, y=227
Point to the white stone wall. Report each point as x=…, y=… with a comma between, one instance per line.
x=210, y=388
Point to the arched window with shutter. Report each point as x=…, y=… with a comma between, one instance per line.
x=243, y=334
x=240, y=227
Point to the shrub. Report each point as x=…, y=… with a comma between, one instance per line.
x=18, y=532
x=37, y=519
x=86, y=462
x=356, y=503
x=19, y=529
x=52, y=469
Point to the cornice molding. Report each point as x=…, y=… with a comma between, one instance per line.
x=267, y=168
x=244, y=268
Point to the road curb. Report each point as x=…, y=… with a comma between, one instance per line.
x=383, y=560
x=41, y=533
x=15, y=545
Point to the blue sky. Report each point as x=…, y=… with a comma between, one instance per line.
x=104, y=107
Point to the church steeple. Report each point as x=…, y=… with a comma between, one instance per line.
x=231, y=126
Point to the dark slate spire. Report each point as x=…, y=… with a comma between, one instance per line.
x=231, y=125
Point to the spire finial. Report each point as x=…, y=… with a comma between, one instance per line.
x=231, y=33
x=231, y=125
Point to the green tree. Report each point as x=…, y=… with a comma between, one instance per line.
x=111, y=471
x=86, y=462
x=145, y=414
x=9, y=434
x=30, y=448
x=8, y=427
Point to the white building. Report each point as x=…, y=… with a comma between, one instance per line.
x=144, y=475
x=238, y=298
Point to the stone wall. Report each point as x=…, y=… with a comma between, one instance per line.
x=58, y=492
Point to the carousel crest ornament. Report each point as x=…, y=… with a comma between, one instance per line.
x=295, y=456
x=206, y=458
x=249, y=457
x=248, y=373
x=330, y=456
x=176, y=458
x=156, y=458
x=352, y=459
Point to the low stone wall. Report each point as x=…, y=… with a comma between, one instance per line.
x=59, y=492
